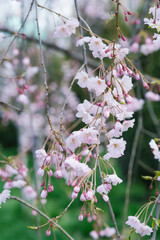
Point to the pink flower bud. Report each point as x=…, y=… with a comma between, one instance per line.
x=105, y=198
x=137, y=77
x=126, y=19
x=19, y=90
x=129, y=13
x=83, y=197
x=89, y=195
x=118, y=98
x=50, y=188
x=76, y=189
x=25, y=87
x=42, y=184
x=58, y=173
x=109, y=83
x=40, y=172
x=74, y=183
x=48, y=232
x=89, y=219
x=34, y=212
x=50, y=173
x=44, y=193
x=74, y=195
x=80, y=218
x=94, y=217
x=123, y=38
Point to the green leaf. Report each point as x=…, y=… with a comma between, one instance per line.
x=32, y=227
x=157, y=174
x=99, y=209
x=111, y=18
x=147, y=178
x=153, y=224
x=156, y=221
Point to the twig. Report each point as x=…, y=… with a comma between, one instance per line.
x=64, y=210
x=157, y=216
x=109, y=204
x=42, y=214
x=99, y=170
x=5, y=53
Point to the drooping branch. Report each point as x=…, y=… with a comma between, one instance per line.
x=99, y=169
x=73, y=55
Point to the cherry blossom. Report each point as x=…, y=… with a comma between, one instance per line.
x=115, y=148
x=113, y=178
x=107, y=232
x=94, y=234
x=155, y=149
x=152, y=96
x=4, y=195
x=140, y=228
x=66, y=29
x=82, y=79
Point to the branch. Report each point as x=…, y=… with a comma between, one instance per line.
x=74, y=55
x=42, y=214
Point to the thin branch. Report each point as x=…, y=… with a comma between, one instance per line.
x=42, y=214
x=74, y=55
x=157, y=217
x=5, y=53
x=99, y=170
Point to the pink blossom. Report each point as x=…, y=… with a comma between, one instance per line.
x=89, y=194
x=4, y=195
x=134, y=47
x=44, y=193
x=104, y=188
x=113, y=178
x=41, y=154
x=66, y=29
x=50, y=188
x=40, y=172
x=152, y=96
x=83, y=40
x=74, y=195
x=83, y=197
x=107, y=232
x=58, y=174
x=155, y=150
x=105, y=197
x=77, y=189
x=94, y=234
x=115, y=148
x=80, y=218
x=22, y=98
x=29, y=193
x=83, y=79
x=140, y=228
